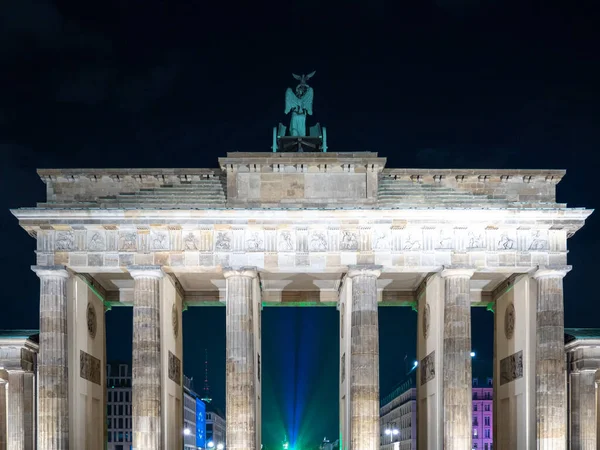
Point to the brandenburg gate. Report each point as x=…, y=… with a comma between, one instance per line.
x=311, y=228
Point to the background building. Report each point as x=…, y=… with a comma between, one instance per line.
x=398, y=417
x=483, y=419
x=118, y=406
x=215, y=426
x=189, y=414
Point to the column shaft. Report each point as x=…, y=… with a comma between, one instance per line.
x=53, y=391
x=583, y=406
x=550, y=364
x=364, y=360
x=146, y=367
x=240, y=387
x=457, y=385
x=3, y=415
x=16, y=410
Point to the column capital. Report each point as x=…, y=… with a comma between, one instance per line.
x=241, y=271
x=145, y=271
x=369, y=270
x=457, y=271
x=50, y=271
x=551, y=271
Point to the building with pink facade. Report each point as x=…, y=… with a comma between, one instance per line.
x=398, y=416
x=483, y=419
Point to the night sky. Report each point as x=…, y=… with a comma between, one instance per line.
x=442, y=84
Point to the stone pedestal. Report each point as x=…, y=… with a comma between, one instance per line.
x=146, y=367
x=550, y=365
x=53, y=406
x=456, y=370
x=241, y=420
x=364, y=359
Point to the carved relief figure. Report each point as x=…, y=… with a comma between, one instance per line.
x=318, y=242
x=505, y=243
x=128, y=240
x=92, y=322
x=285, y=241
x=349, y=240
x=223, y=241
x=445, y=240
x=254, y=242
x=190, y=242
x=160, y=241
x=426, y=320
x=412, y=244
x=175, y=320
x=509, y=321
x=380, y=240
x=538, y=242
x=475, y=240
x=428, y=368
x=65, y=240
x=96, y=242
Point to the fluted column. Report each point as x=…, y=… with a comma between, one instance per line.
x=2, y=414
x=364, y=359
x=456, y=370
x=239, y=366
x=53, y=390
x=597, y=409
x=16, y=410
x=146, y=365
x=550, y=364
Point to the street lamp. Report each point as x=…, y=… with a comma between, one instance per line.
x=210, y=444
x=186, y=431
x=472, y=354
x=220, y=446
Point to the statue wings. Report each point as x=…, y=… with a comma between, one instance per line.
x=304, y=78
x=292, y=102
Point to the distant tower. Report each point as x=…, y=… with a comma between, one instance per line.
x=206, y=390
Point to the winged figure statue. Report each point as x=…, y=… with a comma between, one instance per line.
x=299, y=101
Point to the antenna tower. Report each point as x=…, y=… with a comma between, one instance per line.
x=206, y=390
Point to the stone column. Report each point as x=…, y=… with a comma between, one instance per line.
x=364, y=359
x=16, y=410
x=2, y=414
x=146, y=364
x=550, y=364
x=456, y=370
x=597, y=408
x=240, y=388
x=53, y=378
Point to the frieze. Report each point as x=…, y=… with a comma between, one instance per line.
x=254, y=241
x=285, y=241
x=223, y=241
x=96, y=241
x=425, y=246
x=174, y=368
x=349, y=241
x=511, y=368
x=318, y=241
x=65, y=241
x=428, y=368
x=127, y=241
x=89, y=368
x=159, y=240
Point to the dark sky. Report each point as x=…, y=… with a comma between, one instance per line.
x=124, y=83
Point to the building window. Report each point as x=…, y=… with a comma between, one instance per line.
x=475, y=407
x=475, y=422
x=486, y=421
x=487, y=433
x=486, y=407
x=474, y=432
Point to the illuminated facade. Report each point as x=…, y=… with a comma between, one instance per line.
x=336, y=229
